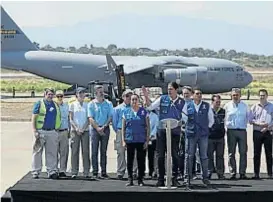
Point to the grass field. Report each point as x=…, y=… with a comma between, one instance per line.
x=39, y=84
x=26, y=85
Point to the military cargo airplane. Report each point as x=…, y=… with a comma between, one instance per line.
x=210, y=74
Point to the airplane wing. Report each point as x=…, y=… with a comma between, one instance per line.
x=136, y=64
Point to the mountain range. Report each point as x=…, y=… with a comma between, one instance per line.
x=168, y=32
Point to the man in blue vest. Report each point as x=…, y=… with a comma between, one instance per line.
x=170, y=106
x=198, y=118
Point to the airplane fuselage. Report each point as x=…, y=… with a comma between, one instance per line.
x=211, y=75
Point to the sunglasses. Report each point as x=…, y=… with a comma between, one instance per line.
x=50, y=94
x=59, y=96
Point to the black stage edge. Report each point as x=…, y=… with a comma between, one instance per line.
x=105, y=190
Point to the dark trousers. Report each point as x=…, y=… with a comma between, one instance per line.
x=217, y=146
x=260, y=139
x=151, y=157
x=182, y=154
x=141, y=154
x=162, y=149
x=102, y=142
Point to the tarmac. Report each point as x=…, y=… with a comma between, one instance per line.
x=16, y=152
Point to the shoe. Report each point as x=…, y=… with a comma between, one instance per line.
x=154, y=177
x=54, y=176
x=104, y=175
x=206, y=182
x=243, y=177
x=195, y=177
x=160, y=183
x=256, y=177
x=95, y=175
x=221, y=177
x=130, y=183
x=140, y=183
x=73, y=176
x=35, y=176
x=233, y=177
x=119, y=177
x=62, y=174
x=175, y=182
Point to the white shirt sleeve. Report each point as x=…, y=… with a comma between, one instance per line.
x=154, y=104
x=211, y=117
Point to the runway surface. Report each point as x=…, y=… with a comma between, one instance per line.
x=16, y=151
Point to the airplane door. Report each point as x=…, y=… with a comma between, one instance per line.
x=202, y=75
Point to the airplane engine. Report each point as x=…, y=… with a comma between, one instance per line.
x=181, y=76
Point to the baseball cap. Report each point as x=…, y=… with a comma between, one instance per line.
x=98, y=87
x=126, y=92
x=80, y=90
x=46, y=90
x=59, y=92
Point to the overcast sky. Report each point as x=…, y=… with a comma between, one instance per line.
x=255, y=14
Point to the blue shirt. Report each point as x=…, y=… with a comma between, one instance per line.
x=237, y=115
x=50, y=117
x=117, y=116
x=154, y=121
x=64, y=109
x=135, y=125
x=100, y=112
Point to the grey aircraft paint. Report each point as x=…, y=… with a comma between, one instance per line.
x=210, y=74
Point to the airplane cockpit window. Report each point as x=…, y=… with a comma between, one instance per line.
x=239, y=68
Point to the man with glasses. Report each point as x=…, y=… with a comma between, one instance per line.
x=261, y=115
x=100, y=112
x=46, y=119
x=170, y=106
x=63, y=132
x=237, y=115
x=117, y=125
x=198, y=117
x=217, y=138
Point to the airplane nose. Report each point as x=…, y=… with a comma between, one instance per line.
x=248, y=78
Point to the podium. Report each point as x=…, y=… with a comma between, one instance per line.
x=169, y=124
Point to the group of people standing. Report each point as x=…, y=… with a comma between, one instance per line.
x=139, y=128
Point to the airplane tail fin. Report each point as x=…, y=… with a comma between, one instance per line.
x=110, y=62
x=12, y=37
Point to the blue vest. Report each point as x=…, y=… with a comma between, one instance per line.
x=198, y=123
x=171, y=110
x=135, y=127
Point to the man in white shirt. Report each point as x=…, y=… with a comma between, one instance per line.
x=237, y=117
x=198, y=117
x=80, y=133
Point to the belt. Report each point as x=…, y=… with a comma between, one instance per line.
x=47, y=129
x=61, y=130
x=237, y=129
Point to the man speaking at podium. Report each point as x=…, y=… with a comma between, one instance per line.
x=170, y=107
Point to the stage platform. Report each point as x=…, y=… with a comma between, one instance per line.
x=106, y=190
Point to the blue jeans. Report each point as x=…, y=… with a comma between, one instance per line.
x=202, y=142
x=102, y=141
